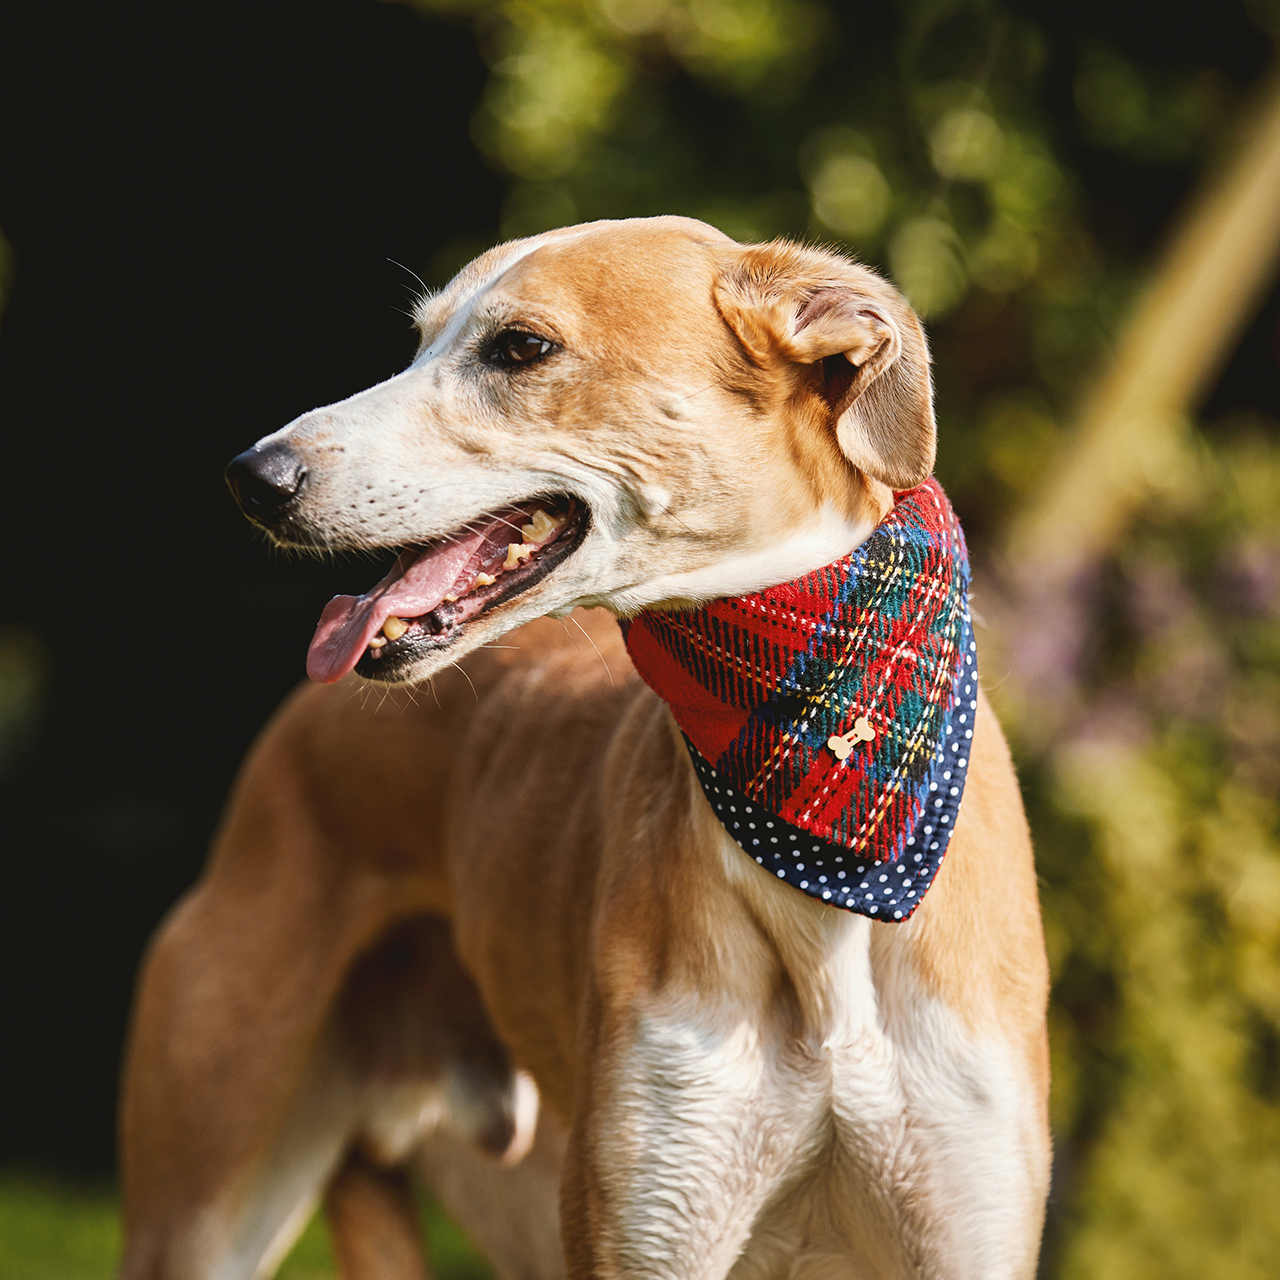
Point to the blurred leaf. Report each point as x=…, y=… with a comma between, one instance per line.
x=22, y=677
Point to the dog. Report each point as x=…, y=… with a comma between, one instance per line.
x=485, y=927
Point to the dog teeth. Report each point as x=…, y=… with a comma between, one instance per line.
x=394, y=628
x=377, y=642
x=517, y=551
x=485, y=580
x=540, y=526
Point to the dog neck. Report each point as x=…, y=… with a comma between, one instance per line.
x=828, y=718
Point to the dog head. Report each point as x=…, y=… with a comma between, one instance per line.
x=639, y=414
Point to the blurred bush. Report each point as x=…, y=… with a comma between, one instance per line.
x=1013, y=168
x=1156, y=823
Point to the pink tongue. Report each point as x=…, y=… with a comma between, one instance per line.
x=418, y=581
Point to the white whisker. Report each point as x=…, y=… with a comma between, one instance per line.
x=593, y=644
x=467, y=678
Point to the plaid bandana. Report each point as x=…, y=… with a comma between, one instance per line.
x=829, y=719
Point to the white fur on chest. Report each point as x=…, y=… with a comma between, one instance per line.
x=849, y=1125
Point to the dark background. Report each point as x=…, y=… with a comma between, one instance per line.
x=201, y=202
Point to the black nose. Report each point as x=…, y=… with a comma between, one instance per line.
x=265, y=479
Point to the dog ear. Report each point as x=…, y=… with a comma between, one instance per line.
x=853, y=338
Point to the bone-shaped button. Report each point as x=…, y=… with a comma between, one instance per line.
x=842, y=744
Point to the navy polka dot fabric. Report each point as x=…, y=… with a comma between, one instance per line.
x=883, y=890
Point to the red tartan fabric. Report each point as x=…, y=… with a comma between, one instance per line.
x=867, y=649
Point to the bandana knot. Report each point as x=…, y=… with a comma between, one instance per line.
x=829, y=718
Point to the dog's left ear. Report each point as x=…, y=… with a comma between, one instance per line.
x=855, y=340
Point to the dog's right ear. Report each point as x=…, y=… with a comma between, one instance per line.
x=848, y=336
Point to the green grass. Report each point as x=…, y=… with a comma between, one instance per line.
x=55, y=1230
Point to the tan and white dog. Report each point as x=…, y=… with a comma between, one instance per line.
x=493, y=932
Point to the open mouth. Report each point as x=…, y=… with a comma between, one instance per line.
x=434, y=589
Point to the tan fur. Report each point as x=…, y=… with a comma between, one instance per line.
x=374, y=1223
x=790, y=308
x=733, y=1077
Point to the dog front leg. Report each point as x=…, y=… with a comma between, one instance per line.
x=682, y=1137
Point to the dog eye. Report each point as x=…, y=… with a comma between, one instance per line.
x=514, y=347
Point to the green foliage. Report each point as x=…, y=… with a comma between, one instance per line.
x=1161, y=872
